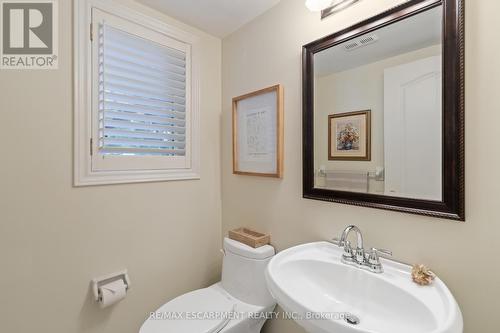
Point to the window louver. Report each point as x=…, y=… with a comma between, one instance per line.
x=142, y=96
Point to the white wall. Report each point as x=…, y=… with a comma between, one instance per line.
x=268, y=51
x=55, y=238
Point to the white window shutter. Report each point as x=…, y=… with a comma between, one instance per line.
x=142, y=96
x=137, y=101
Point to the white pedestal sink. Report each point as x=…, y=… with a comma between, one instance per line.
x=312, y=284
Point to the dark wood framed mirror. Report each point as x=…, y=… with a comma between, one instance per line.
x=405, y=69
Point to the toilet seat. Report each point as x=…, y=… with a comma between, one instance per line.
x=200, y=311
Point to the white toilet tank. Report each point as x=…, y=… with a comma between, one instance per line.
x=243, y=272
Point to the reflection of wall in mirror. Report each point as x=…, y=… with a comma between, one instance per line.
x=361, y=88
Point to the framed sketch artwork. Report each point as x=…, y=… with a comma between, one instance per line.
x=349, y=136
x=258, y=133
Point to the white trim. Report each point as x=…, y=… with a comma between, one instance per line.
x=83, y=173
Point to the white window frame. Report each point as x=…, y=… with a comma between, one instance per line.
x=85, y=147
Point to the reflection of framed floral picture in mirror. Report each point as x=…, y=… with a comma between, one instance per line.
x=349, y=136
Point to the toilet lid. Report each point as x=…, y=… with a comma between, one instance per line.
x=200, y=311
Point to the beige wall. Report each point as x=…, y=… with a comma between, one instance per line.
x=268, y=51
x=55, y=238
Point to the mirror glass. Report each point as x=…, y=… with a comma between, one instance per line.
x=378, y=120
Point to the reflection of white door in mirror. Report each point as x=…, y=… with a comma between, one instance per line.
x=413, y=129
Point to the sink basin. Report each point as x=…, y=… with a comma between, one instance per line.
x=324, y=295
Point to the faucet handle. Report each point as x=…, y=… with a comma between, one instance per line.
x=348, y=254
x=337, y=241
x=382, y=252
x=373, y=255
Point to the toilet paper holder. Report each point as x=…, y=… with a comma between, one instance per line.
x=98, y=282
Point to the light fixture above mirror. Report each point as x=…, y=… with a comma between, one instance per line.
x=328, y=7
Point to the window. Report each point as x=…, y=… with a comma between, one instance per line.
x=136, y=115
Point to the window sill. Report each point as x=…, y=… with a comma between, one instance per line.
x=130, y=177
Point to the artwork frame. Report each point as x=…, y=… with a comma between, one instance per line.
x=258, y=133
x=349, y=136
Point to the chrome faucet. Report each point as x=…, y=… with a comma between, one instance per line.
x=348, y=256
x=359, y=257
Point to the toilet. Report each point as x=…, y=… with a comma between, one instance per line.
x=239, y=303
